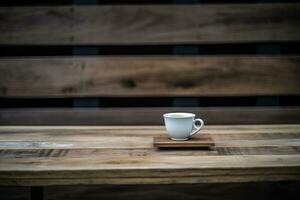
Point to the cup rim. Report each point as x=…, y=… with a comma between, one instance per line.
x=175, y=115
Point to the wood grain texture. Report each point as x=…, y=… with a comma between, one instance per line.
x=34, y=155
x=149, y=76
x=230, y=191
x=213, y=191
x=204, y=141
x=208, y=191
x=136, y=116
x=140, y=24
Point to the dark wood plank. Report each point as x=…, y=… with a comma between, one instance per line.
x=136, y=116
x=139, y=24
x=225, y=191
x=204, y=141
x=149, y=76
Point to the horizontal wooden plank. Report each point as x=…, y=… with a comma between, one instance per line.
x=91, y=133
x=140, y=24
x=243, y=131
x=94, y=152
x=261, y=191
x=97, y=139
x=68, y=138
x=259, y=150
x=149, y=76
x=77, y=153
x=137, y=142
x=43, y=142
x=125, y=155
x=228, y=191
x=149, y=169
x=148, y=116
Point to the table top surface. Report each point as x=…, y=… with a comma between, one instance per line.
x=59, y=155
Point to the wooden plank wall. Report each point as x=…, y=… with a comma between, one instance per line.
x=150, y=76
x=141, y=24
x=74, y=76
x=157, y=75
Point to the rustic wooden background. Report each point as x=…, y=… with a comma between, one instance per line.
x=146, y=53
x=104, y=64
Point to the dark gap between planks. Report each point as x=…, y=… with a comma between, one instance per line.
x=252, y=48
x=150, y=102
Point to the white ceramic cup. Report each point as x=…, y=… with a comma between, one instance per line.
x=182, y=126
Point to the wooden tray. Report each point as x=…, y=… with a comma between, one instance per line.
x=194, y=142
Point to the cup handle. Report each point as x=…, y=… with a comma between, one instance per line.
x=197, y=127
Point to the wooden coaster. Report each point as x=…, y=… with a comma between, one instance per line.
x=200, y=141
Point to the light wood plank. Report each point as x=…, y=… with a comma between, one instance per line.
x=136, y=116
x=262, y=150
x=140, y=24
x=149, y=170
x=129, y=158
x=100, y=141
x=259, y=143
x=150, y=164
x=149, y=76
x=77, y=153
x=96, y=153
x=67, y=138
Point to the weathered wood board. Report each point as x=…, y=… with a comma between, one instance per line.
x=149, y=76
x=140, y=24
x=72, y=155
x=208, y=191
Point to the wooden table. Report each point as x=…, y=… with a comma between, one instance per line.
x=73, y=155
